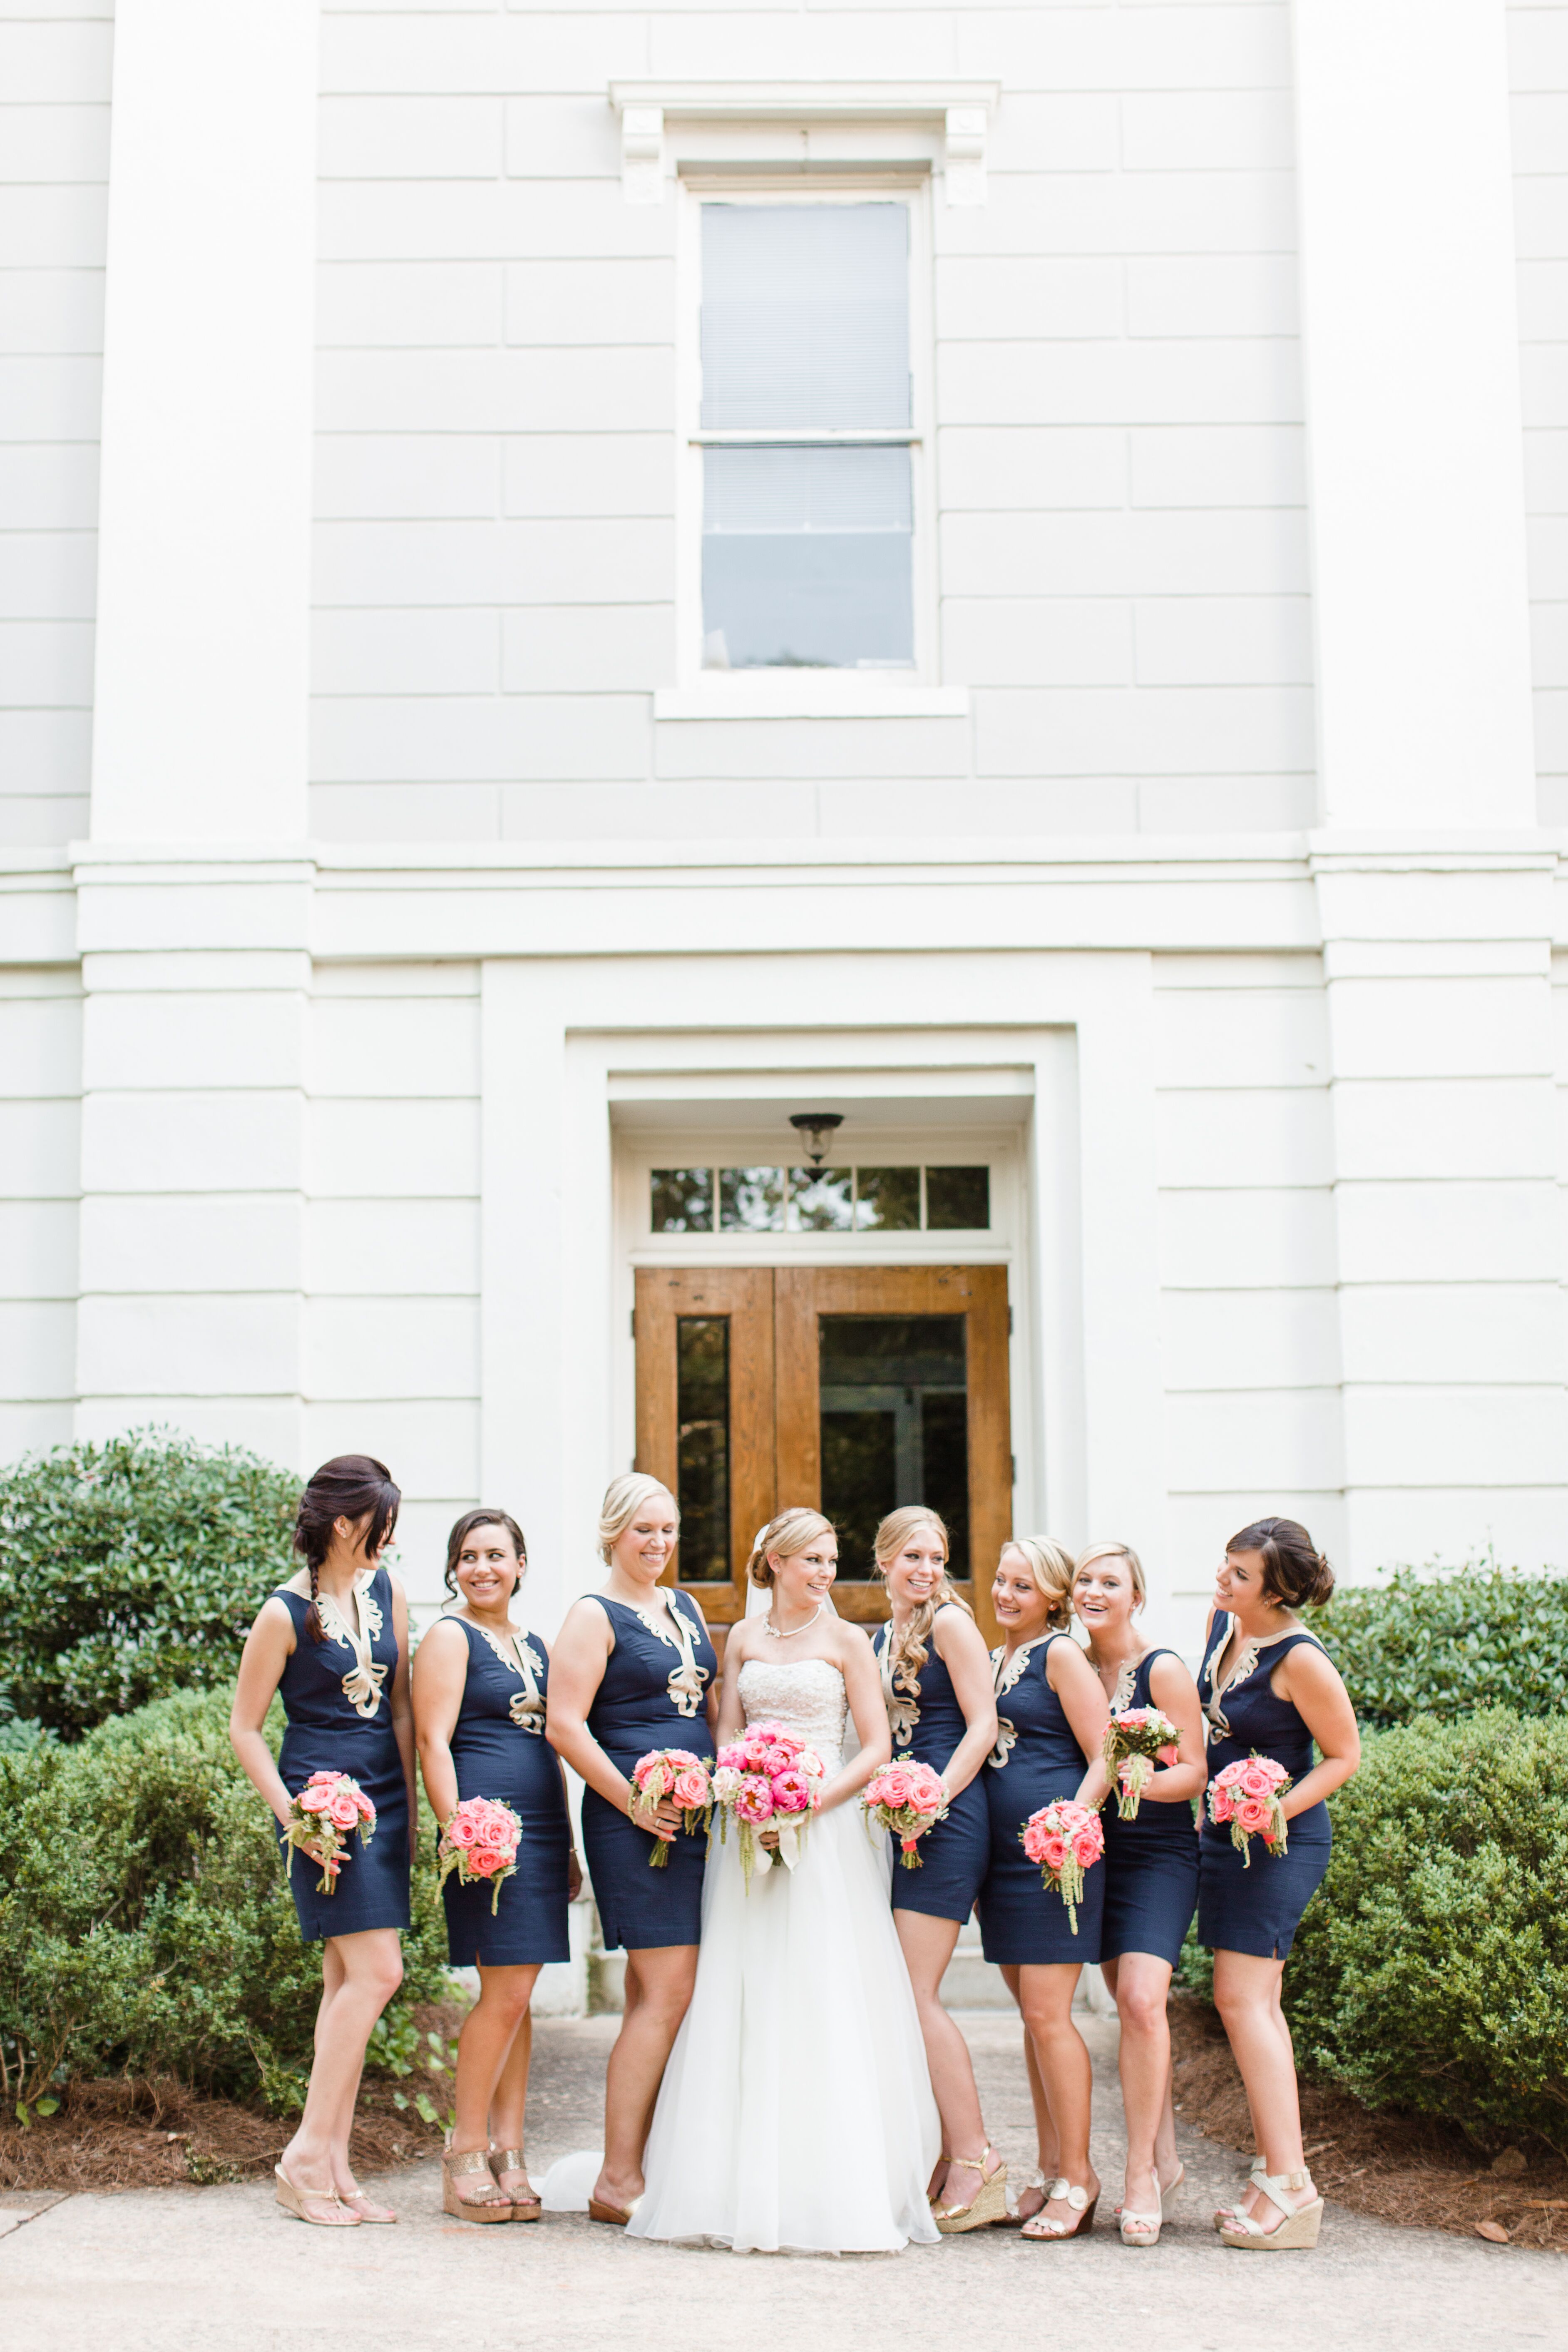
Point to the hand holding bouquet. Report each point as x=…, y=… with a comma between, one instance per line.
x=1065, y=1839
x=323, y=1818
x=1134, y=1743
x=1249, y=1797
x=769, y=1780
x=672, y=1773
x=907, y=1800
x=481, y=1842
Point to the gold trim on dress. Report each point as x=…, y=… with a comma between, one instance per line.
x=900, y=1692
x=526, y=1707
x=361, y=1683
x=1005, y=1673
x=686, y=1681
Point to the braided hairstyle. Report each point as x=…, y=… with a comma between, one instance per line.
x=352, y=1486
x=1295, y=1576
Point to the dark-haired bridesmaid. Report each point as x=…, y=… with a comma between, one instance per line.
x=479, y=1685
x=1269, y=1689
x=333, y=1644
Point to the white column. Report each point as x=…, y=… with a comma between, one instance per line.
x=204, y=550
x=1413, y=414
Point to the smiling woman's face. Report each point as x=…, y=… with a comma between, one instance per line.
x=1022, y=1608
x=642, y=1552
x=917, y=1568
x=486, y=1568
x=1104, y=1595
x=805, y=1580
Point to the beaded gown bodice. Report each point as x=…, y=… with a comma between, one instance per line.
x=806, y=1697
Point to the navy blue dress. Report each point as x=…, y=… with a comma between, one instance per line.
x=500, y=1752
x=328, y=1731
x=1257, y=1909
x=1151, y=1864
x=927, y=1724
x=645, y=1701
x=1037, y=1760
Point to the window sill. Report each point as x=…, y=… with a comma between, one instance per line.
x=798, y=696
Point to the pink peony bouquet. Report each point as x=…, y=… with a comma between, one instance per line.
x=1065, y=1839
x=1249, y=1797
x=1134, y=1743
x=479, y=1842
x=322, y=1820
x=768, y=1779
x=907, y=1800
x=674, y=1773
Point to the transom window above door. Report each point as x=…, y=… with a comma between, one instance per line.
x=861, y=1200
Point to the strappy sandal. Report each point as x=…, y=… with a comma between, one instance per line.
x=1297, y=2231
x=510, y=2159
x=1045, y=2228
x=336, y=2215
x=1225, y=2216
x=988, y=2204
x=1034, y=2179
x=1166, y=2189
x=491, y=2204
x=1143, y=2229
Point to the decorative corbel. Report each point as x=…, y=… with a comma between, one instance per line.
x=968, y=128
x=642, y=154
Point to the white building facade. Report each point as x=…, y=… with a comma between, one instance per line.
x=577, y=583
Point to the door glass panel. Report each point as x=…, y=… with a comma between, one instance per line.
x=895, y=1426
x=703, y=1474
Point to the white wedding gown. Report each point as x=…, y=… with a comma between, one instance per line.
x=796, y=2110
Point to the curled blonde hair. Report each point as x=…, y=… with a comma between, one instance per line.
x=624, y=1499
x=788, y=1533
x=908, y=1652
x=1053, y=1569
x=1116, y=1551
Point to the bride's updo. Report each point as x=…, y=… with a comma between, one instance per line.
x=789, y=1534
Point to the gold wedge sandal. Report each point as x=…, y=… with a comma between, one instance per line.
x=335, y=2214
x=358, y=2202
x=988, y=2204
x=1046, y=2229
x=1295, y=2232
x=510, y=2159
x=1166, y=2189
x=489, y=2204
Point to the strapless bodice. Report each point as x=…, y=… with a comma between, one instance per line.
x=806, y=1697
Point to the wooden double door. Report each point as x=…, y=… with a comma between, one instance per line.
x=851, y=1388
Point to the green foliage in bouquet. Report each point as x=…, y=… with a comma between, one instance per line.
x=132, y=1570
x=145, y=1925
x=1430, y=1973
x=1446, y=1642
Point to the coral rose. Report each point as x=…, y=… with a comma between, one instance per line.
x=691, y=1790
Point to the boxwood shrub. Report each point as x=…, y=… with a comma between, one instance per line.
x=1446, y=1642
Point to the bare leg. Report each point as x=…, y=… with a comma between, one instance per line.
x=1247, y=1995
x=1045, y=1996
x=360, y=1974
x=1048, y=2151
x=509, y=2099
x=487, y=2047
x=1141, y=1981
x=659, y=1982
x=928, y=1946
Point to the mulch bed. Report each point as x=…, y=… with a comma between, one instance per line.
x=1402, y=2168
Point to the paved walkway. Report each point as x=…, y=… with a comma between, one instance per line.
x=220, y=2270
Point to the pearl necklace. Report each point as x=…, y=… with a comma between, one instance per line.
x=770, y=1628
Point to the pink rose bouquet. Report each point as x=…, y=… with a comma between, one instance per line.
x=322, y=1820
x=907, y=1800
x=479, y=1842
x=1134, y=1743
x=674, y=1773
x=768, y=1779
x=1249, y=1796
x=1065, y=1839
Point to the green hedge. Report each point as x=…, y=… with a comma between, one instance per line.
x=130, y=1571
x=145, y=1926
x=1447, y=1642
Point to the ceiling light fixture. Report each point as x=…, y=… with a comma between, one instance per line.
x=816, y=1130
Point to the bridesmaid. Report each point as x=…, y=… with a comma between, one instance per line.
x=1051, y=1719
x=480, y=1688
x=634, y=1670
x=1267, y=1689
x=1151, y=1872
x=936, y=1680
x=333, y=1644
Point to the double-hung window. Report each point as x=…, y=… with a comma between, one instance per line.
x=804, y=484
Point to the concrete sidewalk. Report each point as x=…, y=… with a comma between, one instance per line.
x=220, y=2270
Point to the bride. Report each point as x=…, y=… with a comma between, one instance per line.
x=797, y=2110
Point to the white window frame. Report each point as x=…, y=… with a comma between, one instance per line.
x=780, y=693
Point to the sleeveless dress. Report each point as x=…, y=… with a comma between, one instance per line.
x=927, y=1724
x=1036, y=1761
x=796, y=2110
x=338, y=1702
x=1256, y=1910
x=499, y=1750
x=650, y=1698
x=1151, y=1864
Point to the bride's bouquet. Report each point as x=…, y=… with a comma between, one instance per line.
x=1065, y=1839
x=1248, y=1795
x=1134, y=1743
x=322, y=1820
x=481, y=1842
x=906, y=1799
x=768, y=1779
x=675, y=1773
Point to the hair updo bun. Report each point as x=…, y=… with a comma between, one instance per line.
x=786, y=1536
x=1294, y=1574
